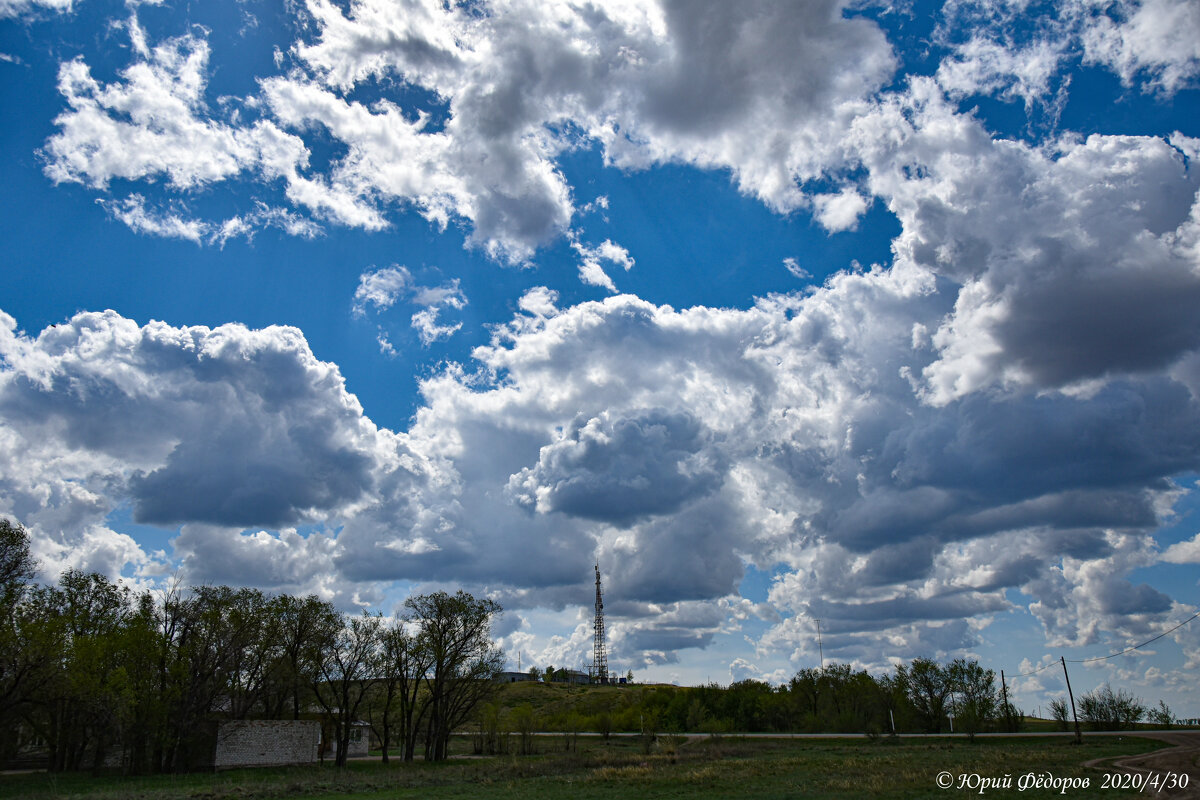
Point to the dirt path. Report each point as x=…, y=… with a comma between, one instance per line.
x=1183, y=757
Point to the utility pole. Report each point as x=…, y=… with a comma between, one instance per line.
x=820, y=646
x=599, y=655
x=1004, y=694
x=1078, y=735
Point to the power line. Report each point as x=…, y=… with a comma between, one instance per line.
x=1136, y=646
x=1036, y=671
x=1113, y=655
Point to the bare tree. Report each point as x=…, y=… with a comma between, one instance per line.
x=344, y=659
x=403, y=663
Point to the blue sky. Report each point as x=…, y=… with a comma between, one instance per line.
x=882, y=315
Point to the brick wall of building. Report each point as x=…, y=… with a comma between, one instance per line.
x=260, y=742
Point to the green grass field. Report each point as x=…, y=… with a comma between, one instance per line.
x=725, y=767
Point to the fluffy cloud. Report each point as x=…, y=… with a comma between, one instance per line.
x=486, y=103
x=1074, y=263
x=790, y=434
x=225, y=426
x=1159, y=38
x=1185, y=552
x=490, y=102
x=622, y=470
x=133, y=212
x=155, y=122
x=839, y=212
x=381, y=288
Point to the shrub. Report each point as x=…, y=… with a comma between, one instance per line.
x=1106, y=710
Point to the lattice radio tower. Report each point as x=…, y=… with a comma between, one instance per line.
x=599, y=656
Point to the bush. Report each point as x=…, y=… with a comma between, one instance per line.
x=1061, y=714
x=1161, y=716
x=1106, y=710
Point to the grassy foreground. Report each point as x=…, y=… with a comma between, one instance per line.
x=725, y=767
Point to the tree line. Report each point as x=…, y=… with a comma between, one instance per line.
x=99, y=674
x=923, y=696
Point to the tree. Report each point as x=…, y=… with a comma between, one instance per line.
x=927, y=685
x=22, y=654
x=17, y=566
x=1060, y=712
x=522, y=720
x=894, y=705
x=297, y=622
x=976, y=702
x=805, y=689
x=344, y=659
x=403, y=662
x=1161, y=716
x=214, y=653
x=463, y=661
x=253, y=643
x=83, y=692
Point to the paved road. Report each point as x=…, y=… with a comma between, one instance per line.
x=696, y=736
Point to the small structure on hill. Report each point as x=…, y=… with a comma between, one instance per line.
x=576, y=677
x=513, y=677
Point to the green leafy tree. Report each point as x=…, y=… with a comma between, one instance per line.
x=299, y=622
x=975, y=702
x=23, y=653
x=81, y=698
x=522, y=721
x=455, y=630
x=215, y=657
x=895, y=709
x=604, y=724
x=927, y=685
x=17, y=566
x=804, y=691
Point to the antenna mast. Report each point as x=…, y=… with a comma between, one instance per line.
x=599, y=656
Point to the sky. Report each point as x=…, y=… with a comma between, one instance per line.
x=837, y=330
